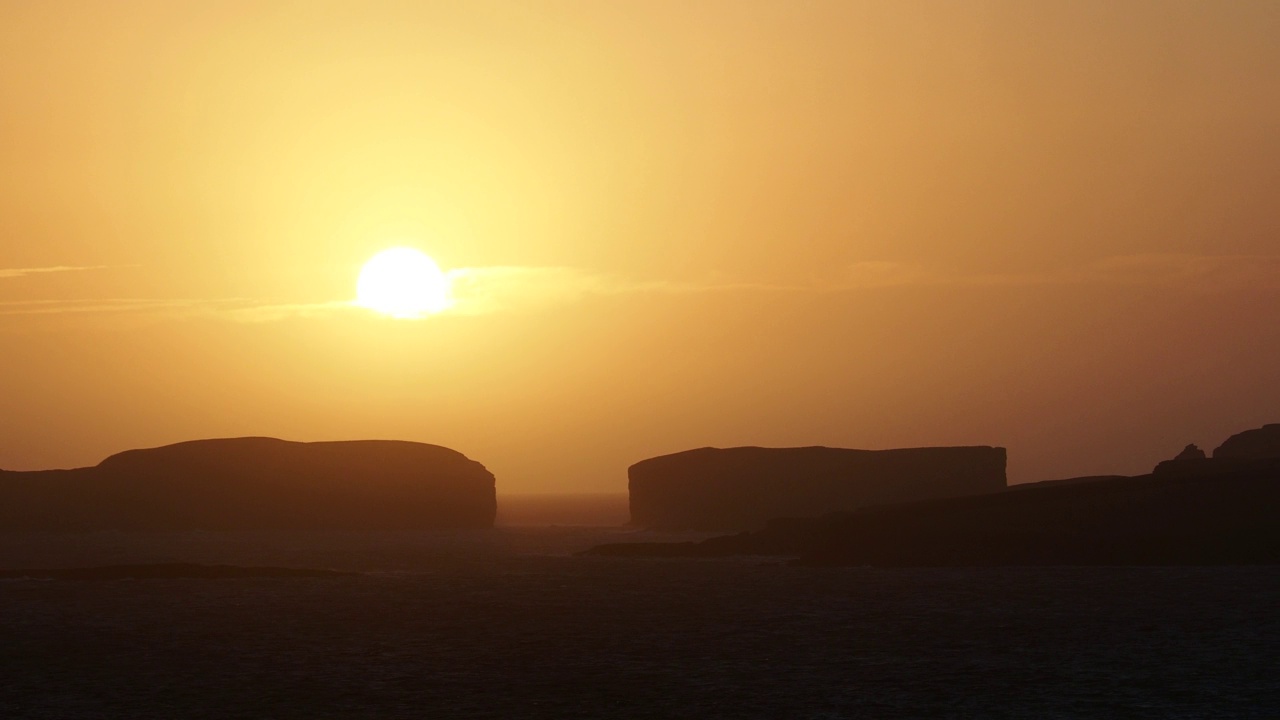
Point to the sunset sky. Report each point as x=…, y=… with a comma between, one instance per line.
x=1052, y=226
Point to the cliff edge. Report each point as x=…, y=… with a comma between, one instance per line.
x=1257, y=444
x=743, y=488
x=257, y=484
x=1191, y=510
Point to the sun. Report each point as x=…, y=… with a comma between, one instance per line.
x=403, y=283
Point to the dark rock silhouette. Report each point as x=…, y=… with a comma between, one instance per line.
x=1190, y=452
x=1191, y=461
x=1257, y=444
x=257, y=483
x=743, y=488
x=1249, y=450
x=1228, y=515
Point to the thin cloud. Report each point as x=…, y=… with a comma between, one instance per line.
x=284, y=311
x=1186, y=271
x=1213, y=272
x=109, y=305
x=879, y=274
x=23, y=272
x=480, y=291
x=506, y=289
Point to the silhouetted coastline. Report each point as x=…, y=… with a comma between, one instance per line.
x=1189, y=511
x=167, y=571
x=742, y=488
x=256, y=483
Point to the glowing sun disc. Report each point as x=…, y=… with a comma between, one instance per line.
x=403, y=283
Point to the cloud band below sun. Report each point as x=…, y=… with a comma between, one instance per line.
x=23, y=272
x=506, y=289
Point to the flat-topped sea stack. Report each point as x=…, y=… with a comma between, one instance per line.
x=743, y=488
x=1223, y=518
x=1192, y=510
x=257, y=484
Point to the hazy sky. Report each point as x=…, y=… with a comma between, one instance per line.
x=1053, y=226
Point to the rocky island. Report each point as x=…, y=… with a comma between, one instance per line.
x=1192, y=510
x=743, y=488
x=257, y=484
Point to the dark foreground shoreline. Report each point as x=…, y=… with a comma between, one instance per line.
x=167, y=571
x=1210, y=514
x=482, y=625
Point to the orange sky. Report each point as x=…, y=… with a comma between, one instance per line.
x=1050, y=226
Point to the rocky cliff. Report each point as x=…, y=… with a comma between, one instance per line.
x=1223, y=518
x=257, y=483
x=742, y=488
x=1258, y=444
x=1255, y=449
x=1192, y=510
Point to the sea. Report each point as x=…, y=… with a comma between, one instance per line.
x=512, y=623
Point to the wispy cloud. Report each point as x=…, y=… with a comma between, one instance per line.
x=243, y=311
x=1186, y=271
x=111, y=305
x=879, y=274
x=1212, y=272
x=480, y=291
x=505, y=289
x=23, y=272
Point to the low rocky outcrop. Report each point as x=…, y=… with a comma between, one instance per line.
x=1191, y=461
x=1191, y=510
x=1219, y=519
x=743, y=488
x=1190, y=452
x=1258, y=444
x=1249, y=450
x=257, y=484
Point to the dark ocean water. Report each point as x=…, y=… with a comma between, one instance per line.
x=508, y=623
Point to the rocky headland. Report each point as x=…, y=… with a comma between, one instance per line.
x=1192, y=510
x=257, y=484
x=743, y=488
